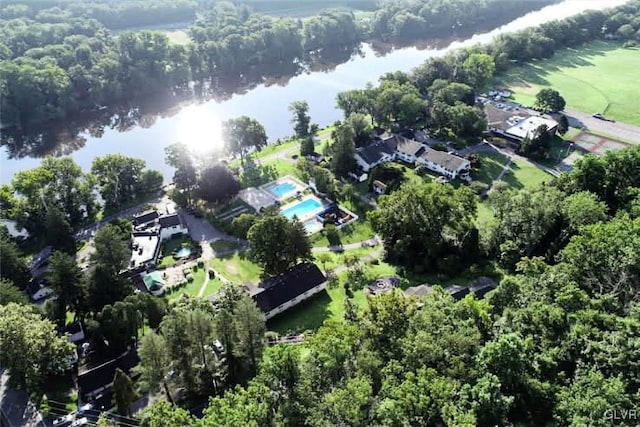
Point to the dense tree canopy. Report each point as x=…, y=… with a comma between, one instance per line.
x=243, y=135
x=422, y=224
x=550, y=100
x=277, y=243
x=31, y=347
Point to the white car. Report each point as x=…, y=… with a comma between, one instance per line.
x=80, y=422
x=63, y=421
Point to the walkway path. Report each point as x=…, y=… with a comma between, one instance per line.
x=338, y=248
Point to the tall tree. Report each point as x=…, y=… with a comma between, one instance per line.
x=185, y=177
x=59, y=232
x=31, y=347
x=68, y=282
x=550, y=100
x=163, y=414
x=154, y=360
x=217, y=184
x=243, y=134
x=300, y=118
x=12, y=263
x=111, y=256
x=421, y=223
x=277, y=244
x=250, y=329
x=479, y=68
x=119, y=178
x=124, y=393
x=342, y=150
x=10, y=293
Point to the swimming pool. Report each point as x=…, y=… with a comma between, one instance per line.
x=302, y=208
x=282, y=189
x=183, y=253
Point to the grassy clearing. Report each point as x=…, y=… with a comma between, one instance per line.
x=491, y=164
x=524, y=175
x=178, y=36
x=192, y=288
x=597, y=77
x=357, y=232
x=237, y=269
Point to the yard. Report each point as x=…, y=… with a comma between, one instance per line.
x=524, y=175
x=491, y=164
x=168, y=247
x=192, y=288
x=237, y=269
x=599, y=77
x=224, y=245
x=355, y=232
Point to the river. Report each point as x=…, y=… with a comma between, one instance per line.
x=199, y=125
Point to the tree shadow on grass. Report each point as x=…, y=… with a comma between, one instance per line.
x=536, y=71
x=308, y=315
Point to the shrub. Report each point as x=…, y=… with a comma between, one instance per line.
x=200, y=263
x=478, y=187
x=212, y=274
x=190, y=278
x=195, y=268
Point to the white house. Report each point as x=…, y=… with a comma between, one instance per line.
x=171, y=225
x=277, y=294
x=409, y=150
x=379, y=152
x=444, y=163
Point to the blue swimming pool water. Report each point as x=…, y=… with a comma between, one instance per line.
x=301, y=208
x=282, y=189
x=183, y=253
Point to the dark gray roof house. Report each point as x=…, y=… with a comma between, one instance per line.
x=96, y=380
x=145, y=217
x=410, y=147
x=279, y=293
x=443, y=159
x=169, y=221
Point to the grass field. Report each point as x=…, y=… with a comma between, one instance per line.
x=597, y=77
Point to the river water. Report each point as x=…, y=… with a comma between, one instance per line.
x=199, y=125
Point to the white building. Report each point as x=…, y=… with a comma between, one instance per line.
x=399, y=148
x=171, y=225
x=444, y=163
x=528, y=126
x=278, y=294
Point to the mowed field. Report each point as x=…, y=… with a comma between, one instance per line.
x=599, y=77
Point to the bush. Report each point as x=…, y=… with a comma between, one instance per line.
x=478, y=187
x=200, y=263
x=190, y=278
x=212, y=274
x=195, y=268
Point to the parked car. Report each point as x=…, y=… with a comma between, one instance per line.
x=84, y=408
x=63, y=421
x=80, y=422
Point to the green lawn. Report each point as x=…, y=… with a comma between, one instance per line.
x=485, y=213
x=352, y=233
x=491, y=164
x=524, y=175
x=192, y=288
x=166, y=251
x=237, y=269
x=599, y=77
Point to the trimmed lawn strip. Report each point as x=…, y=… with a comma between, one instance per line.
x=356, y=232
x=524, y=175
x=491, y=164
x=223, y=245
x=237, y=269
x=192, y=288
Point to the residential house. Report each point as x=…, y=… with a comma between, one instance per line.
x=98, y=381
x=375, y=154
x=145, y=247
x=444, y=163
x=409, y=150
x=145, y=219
x=75, y=332
x=390, y=148
x=154, y=283
x=171, y=225
x=277, y=294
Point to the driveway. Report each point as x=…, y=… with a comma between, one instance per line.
x=624, y=131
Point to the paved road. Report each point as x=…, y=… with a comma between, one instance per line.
x=624, y=131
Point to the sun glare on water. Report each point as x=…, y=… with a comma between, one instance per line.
x=200, y=130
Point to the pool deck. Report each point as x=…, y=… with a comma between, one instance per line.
x=311, y=213
x=298, y=185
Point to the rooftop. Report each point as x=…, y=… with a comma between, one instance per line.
x=274, y=292
x=145, y=217
x=409, y=146
x=444, y=159
x=169, y=221
x=153, y=279
x=145, y=247
x=528, y=126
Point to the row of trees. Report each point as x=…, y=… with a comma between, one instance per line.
x=52, y=68
x=57, y=197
